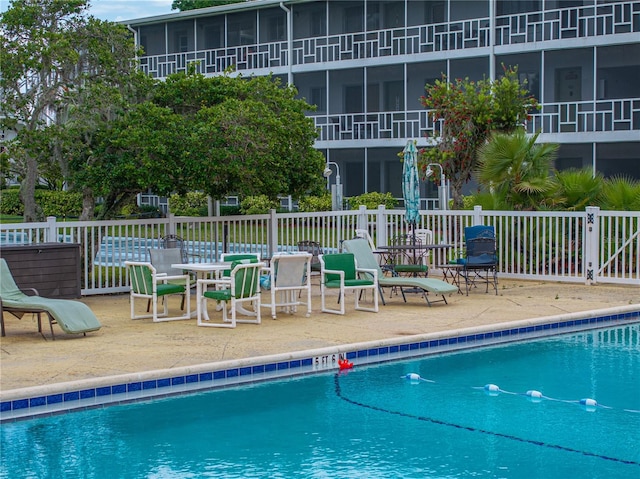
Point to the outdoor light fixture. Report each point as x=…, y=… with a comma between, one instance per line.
x=442, y=189
x=336, y=190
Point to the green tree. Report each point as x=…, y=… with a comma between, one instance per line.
x=515, y=169
x=469, y=111
x=247, y=137
x=49, y=51
x=184, y=5
x=217, y=135
x=141, y=149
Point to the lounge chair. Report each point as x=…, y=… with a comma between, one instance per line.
x=366, y=259
x=73, y=317
x=364, y=234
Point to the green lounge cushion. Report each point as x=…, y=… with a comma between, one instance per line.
x=410, y=268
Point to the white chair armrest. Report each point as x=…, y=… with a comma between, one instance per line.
x=373, y=272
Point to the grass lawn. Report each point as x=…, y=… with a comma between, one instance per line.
x=10, y=219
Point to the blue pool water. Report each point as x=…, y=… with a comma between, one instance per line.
x=370, y=422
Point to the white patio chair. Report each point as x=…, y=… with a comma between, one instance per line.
x=289, y=278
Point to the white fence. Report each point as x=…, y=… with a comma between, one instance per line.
x=584, y=247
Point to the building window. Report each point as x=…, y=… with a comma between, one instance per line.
x=353, y=19
x=182, y=42
x=277, y=29
x=319, y=98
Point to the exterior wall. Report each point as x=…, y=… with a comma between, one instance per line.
x=365, y=64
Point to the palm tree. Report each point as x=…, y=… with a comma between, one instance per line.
x=621, y=194
x=577, y=189
x=516, y=169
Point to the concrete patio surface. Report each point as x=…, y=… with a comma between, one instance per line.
x=129, y=346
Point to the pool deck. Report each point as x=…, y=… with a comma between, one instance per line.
x=124, y=346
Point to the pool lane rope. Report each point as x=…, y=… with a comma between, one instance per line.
x=415, y=378
x=534, y=396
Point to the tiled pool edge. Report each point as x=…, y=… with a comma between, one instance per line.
x=90, y=393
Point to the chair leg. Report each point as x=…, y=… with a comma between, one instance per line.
x=381, y=295
x=51, y=321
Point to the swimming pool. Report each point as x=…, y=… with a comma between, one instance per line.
x=371, y=421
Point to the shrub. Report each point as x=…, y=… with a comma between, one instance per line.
x=315, y=203
x=228, y=210
x=49, y=203
x=193, y=203
x=372, y=200
x=10, y=203
x=256, y=205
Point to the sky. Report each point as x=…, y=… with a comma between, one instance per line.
x=116, y=10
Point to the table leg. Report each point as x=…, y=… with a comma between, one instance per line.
x=451, y=274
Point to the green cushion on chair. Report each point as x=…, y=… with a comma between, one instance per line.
x=348, y=282
x=236, y=259
x=339, y=262
x=169, y=288
x=218, y=295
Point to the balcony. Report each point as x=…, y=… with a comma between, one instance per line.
x=530, y=27
x=619, y=115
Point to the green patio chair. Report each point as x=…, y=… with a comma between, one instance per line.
x=340, y=271
x=241, y=287
x=148, y=283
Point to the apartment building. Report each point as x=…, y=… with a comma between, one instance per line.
x=365, y=63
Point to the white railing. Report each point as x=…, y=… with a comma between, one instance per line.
x=528, y=27
x=564, y=23
x=617, y=115
x=586, y=247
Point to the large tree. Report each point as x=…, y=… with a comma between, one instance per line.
x=468, y=112
x=50, y=51
x=220, y=135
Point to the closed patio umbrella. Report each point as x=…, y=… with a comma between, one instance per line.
x=410, y=184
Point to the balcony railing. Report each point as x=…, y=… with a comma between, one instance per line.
x=575, y=117
x=549, y=25
x=565, y=23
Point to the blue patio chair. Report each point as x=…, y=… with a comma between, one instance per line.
x=480, y=263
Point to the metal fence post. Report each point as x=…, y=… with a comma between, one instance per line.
x=591, y=243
